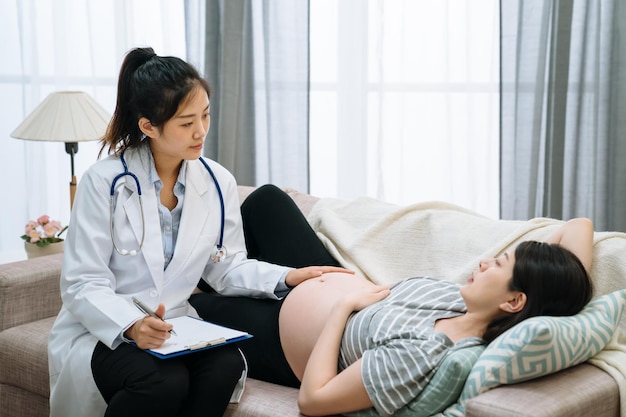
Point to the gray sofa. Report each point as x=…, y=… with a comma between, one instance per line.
x=29, y=301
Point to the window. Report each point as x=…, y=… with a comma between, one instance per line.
x=404, y=101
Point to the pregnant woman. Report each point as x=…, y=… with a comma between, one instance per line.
x=350, y=344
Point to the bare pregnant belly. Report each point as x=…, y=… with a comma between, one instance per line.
x=306, y=309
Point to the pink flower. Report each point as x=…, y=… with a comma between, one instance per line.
x=43, y=231
x=33, y=235
x=31, y=225
x=49, y=230
x=55, y=224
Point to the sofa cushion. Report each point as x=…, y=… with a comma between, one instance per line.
x=24, y=359
x=262, y=399
x=579, y=391
x=22, y=403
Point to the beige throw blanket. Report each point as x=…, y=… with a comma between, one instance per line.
x=386, y=243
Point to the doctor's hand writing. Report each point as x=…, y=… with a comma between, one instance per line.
x=297, y=276
x=150, y=332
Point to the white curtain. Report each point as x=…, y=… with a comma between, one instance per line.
x=50, y=45
x=405, y=101
x=563, y=98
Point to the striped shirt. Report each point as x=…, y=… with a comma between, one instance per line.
x=397, y=342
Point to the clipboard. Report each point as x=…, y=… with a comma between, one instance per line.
x=193, y=335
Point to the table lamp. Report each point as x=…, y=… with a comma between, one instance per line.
x=65, y=116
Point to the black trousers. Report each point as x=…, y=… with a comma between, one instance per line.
x=135, y=383
x=276, y=231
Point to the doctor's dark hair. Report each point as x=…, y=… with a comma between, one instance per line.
x=149, y=86
x=554, y=280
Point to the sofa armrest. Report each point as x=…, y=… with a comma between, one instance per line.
x=29, y=290
x=581, y=391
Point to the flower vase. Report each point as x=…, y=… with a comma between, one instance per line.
x=33, y=251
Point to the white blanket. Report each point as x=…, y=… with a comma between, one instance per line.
x=386, y=243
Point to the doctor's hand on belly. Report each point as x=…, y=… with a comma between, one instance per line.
x=297, y=276
x=150, y=332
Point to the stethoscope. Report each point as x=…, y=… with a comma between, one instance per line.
x=219, y=250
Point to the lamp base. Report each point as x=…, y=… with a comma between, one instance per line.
x=72, y=148
x=72, y=190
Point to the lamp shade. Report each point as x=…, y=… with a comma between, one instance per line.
x=65, y=116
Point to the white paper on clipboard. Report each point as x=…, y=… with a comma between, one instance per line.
x=192, y=334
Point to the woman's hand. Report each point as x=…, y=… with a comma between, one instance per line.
x=358, y=300
x=149, y=332
x=297, y=276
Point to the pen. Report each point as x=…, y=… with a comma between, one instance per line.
x=146, y=310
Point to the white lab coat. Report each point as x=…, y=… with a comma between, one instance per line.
x=97, y=283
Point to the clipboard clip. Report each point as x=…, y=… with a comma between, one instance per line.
x=201, y=345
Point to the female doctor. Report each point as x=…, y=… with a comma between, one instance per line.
x=148, y=221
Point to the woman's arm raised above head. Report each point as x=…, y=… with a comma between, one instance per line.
x=576, y=235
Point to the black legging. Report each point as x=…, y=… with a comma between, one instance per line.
x=276, y=231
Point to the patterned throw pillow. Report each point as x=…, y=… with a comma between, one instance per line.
x=543, y=345
x=442, y=390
